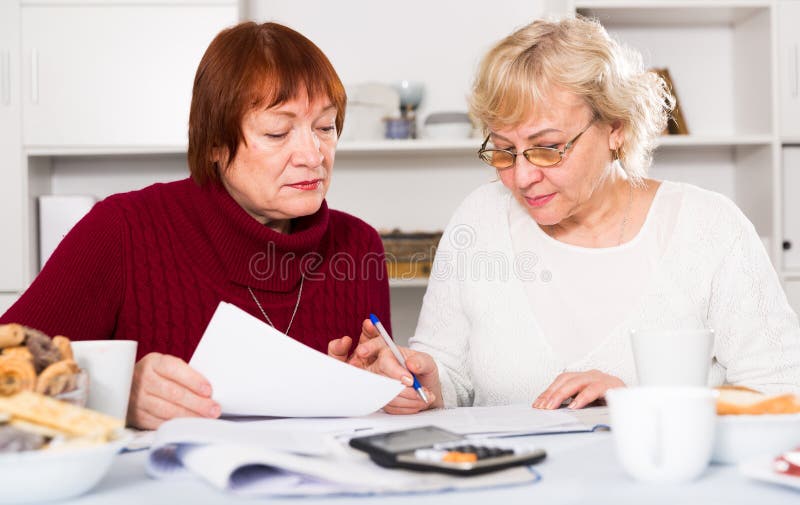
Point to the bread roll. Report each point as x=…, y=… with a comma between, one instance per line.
x=737, y=400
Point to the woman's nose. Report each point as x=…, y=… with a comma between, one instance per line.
x=526, y=173
x=306, y=149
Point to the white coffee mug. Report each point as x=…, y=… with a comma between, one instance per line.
x=663, y=434
x=672, y=357
x=109, y=364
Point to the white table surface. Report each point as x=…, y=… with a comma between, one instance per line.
x=580, y=468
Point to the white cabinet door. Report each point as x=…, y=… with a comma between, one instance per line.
x=12, y=188
x=113, y=75
x=7, y=300
x=791, y=208
x=789, y=67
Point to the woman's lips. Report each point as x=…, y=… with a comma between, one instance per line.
x=539, y=201
x=306, y=185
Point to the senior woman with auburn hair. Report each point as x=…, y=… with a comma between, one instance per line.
x=249, y=227
x=590, y=246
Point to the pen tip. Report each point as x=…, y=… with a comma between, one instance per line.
x=373, y=318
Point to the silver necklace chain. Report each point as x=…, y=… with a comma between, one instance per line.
x=627, y=213
x=297, y=304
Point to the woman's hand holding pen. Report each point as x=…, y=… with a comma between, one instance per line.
x=420, y=364
x=374, y=355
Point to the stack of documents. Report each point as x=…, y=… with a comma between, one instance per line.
x=257, y=459
x=309, y=456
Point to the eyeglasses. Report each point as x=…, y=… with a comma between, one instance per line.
x=539, y=155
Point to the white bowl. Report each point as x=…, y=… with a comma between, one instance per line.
x=448, y=131
x=34, y=476
x=741, y=438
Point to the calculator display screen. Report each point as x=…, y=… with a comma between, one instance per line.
x=408, y=440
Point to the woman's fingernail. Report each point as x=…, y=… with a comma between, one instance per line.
x=408, y=381
x=572, y=405
x=214, y=411
x=205, y=389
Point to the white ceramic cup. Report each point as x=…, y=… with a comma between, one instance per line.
x=672, y=357
x=663, y=434
x=109, y=364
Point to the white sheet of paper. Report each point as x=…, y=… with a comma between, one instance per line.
x=195, y=430
x=471, y=421
x=256, y=370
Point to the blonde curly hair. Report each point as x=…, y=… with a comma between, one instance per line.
x=576, y=54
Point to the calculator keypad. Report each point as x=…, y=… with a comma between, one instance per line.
x=470, y=453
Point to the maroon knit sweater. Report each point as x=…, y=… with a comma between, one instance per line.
x=153, y=264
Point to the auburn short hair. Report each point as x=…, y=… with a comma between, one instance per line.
x=245, y=67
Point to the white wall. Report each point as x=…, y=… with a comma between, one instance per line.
x=435, y=41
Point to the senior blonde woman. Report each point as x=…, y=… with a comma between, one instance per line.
x=539, y=279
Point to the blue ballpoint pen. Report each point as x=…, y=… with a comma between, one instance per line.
x=397, y=354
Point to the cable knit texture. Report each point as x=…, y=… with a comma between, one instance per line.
x=478, y=325
x=152, y=266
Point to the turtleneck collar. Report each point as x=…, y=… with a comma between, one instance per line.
x=253, y=254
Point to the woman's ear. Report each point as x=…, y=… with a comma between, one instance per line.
x=219, y=155
x=617, y=135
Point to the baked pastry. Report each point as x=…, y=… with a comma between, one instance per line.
x=11, y=335
x=61, y=416
x=45, y=353
x=16, y=375
x=738, y=400
x=57, y=378
x=19, y=351
x=63, y=345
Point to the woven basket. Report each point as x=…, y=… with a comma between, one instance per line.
x=410, y=255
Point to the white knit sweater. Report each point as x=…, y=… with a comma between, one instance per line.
x=477, y=322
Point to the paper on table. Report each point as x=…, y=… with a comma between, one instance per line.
x=195, y=430
x=256, y=370
x=502, y=420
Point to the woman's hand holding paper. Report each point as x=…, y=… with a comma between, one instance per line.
x=584, y=387
x=165, y=387
x=340, y=348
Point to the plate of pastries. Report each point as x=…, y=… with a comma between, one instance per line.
x=51, y=447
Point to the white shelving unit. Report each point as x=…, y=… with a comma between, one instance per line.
x=734, y=65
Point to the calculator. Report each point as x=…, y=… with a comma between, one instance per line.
x=433, y=449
